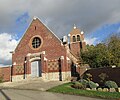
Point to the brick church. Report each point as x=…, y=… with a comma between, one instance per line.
x=40, y=53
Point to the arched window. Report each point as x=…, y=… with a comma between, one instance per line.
x=74, y=39
x=78, y=37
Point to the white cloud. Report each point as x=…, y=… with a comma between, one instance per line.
x=62, y=13
x=7, y=44
x=91, y=41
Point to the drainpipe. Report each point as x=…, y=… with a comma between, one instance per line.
x=11, y=69
x=25, y=61
x=11, y=73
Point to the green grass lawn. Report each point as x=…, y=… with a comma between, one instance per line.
x=67, y=89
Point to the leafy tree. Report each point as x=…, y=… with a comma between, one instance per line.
x=103, y=54
x=96, y=56
x=114, y=49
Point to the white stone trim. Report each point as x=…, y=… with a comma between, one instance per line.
x=69, y=35
x=45, y=59
x=62, y=57
x=68, y=58
x=36, y=54
x=74, y=26
x=82, y=32
x=36, y=58
x=28, y=54
x=14, y=63
x=43, y=52
x=34, y=18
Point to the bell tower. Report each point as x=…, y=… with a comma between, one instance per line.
x=77, y=41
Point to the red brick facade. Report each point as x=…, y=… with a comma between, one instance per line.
x=42, y=47
x=77, y=41
x=51, y=48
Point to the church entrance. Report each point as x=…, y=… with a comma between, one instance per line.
x=36, y=69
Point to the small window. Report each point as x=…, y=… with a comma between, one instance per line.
x=36, y=42
x=35, y=27
x=74, y=39
x=78, y=37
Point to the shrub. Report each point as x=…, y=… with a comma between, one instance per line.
x=111, y=84
x=87, y=77
x=92, y=84
x=78, y=85
x=84, y=82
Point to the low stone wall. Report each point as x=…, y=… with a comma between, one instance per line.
x=105, y=89
x=17, y=78
x=55, y=76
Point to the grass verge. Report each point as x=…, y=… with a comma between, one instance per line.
x=67, y=89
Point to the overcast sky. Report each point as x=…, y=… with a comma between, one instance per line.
x=99, y=19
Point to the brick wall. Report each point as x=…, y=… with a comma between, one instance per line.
x=5, y=73
x=75, y=48
x=77, y=44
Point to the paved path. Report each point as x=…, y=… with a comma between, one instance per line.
x=13, y=94
x=34, y=89
x=32, y=84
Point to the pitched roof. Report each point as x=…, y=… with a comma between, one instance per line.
x=36, y=18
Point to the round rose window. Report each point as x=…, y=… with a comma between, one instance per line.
x=36, y=42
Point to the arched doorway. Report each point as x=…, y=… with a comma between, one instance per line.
x=36, y=68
